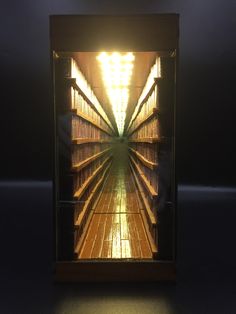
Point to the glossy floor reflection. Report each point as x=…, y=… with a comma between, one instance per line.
x=116, y=230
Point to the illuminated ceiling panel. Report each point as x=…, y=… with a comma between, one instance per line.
x=117, y=69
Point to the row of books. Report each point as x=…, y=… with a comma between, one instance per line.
x=80, y=103
x=150, y=175
x=145, y=110
x=79, y=182
x=77, y=210
x=80, y=204
x=89, y=122
x=149, y=129
x=153, y=75
x=143, y=133
x=85, y=151
x=70, y=69
x=147, y=150
x=84, y=129
x=82, y=106
x=86, y=172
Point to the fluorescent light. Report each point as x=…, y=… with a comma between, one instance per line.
x=117, y=70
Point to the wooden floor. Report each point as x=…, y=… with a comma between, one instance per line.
x=116, y=229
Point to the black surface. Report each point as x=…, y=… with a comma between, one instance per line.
x=206, y=259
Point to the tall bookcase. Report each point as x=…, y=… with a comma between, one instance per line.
x=84, y=152
x=83, y=157
x=151, y=147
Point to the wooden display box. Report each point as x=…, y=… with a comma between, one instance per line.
x=74, y=201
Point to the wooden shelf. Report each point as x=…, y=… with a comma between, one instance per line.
x=150, y=214
x=72, y=82
x=152, y=114
x=145, y=182
x=150, y=140
x=87, y=161
x=90, y=198
x=149, y=235
x=146, y=162
x=90, y=179
x=79, y=244
x=79, y=141
x=90, y=120
x=156, y=80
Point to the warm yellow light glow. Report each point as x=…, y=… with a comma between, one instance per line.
x=116, y=73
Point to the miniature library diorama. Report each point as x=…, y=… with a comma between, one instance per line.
x=114, y=92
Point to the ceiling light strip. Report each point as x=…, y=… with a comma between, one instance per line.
x=117, y=70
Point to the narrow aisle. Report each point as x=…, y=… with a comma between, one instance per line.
x=116, y=229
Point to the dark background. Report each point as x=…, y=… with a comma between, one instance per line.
x=205, y=114
x=206, y=256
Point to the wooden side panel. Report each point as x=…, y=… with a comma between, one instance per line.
x=128, y=33
x=115, y=271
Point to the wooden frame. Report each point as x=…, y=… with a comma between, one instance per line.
x=155, y=32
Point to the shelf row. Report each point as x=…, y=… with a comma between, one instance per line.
x=149, y=188
x=93, y=193
x=72, y=83
x=77, y=91
x=149, y=93
x=90, y=133
x=77, y=167
x=90, y=179
x=80, y=141
x=150, y=214
x=151, y=165
x=153, y=113
x=80, y=114
x=150, y=140
x=143, y=102
x=82, y=220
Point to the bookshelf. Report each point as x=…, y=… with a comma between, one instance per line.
x=93, y=124
x=83, y=133
x=84, y=147
x=85, y=141
x=151, y=147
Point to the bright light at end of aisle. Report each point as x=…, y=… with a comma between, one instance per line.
x=117, y=70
